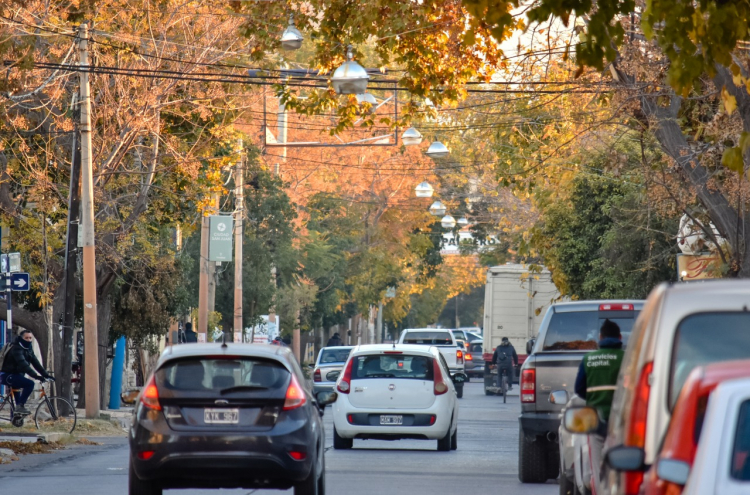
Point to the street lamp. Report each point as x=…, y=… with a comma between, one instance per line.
x=448, y=222
x=437, y=150
x=438, y=208
x=351, y=78
x=463, y=221
x=411, y=137
x=424, y=190
x=291, y=38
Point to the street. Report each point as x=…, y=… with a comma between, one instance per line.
x=485, y=462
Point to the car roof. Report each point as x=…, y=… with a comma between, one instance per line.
x=593, y=305
x=405, y=348
x=267, y=351
x=428, y=330
x=337, y=347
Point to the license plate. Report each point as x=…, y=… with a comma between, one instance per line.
x=221, y=416
x=391, y=420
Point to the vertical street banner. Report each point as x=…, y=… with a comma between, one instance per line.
x=220, y=229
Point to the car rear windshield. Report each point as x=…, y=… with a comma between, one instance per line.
x=222, y=376
x=429, y=338
x=475, y=347
x=392, y=366
x=707, y=338
x=579, y=330
x=334, y=355
x=741, y=450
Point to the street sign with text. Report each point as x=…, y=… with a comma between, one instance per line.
x=14, y=262
x=220, y=238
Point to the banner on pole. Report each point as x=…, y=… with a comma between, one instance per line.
x=220, y=229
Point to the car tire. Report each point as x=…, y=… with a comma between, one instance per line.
x=532, y=460
x=310, y=484
x=444, y=444
x=341, y=443
x=553, y=461
x=137, y=486
x=454, y=440
x=460, y=391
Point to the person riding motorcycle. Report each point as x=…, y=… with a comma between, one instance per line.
x=21, y=361
x=505, y=358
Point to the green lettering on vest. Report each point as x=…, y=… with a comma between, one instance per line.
x=602, y=368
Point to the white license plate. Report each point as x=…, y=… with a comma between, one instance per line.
x=391, y=420
x=221, y=416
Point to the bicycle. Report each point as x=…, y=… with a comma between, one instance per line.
x=52, y=413
x=9, y=401
x=504, y=385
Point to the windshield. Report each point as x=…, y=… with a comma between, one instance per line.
x=704, y=339
x=579, y=330
x=392, y=366
x=213, y=375
x=334, y=355
x=439, y=338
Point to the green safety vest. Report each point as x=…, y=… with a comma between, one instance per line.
x=602, y=368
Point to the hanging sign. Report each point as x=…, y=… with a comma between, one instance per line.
x=220, y=237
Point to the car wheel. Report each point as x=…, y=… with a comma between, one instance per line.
x=454, y=440
x=137, y=486
x=460, y=391
x=532, y=460
x=444, y=444
x=341, y=443
x=553, y=461
x=309, y=486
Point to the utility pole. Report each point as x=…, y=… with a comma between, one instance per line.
x=281, y=138
x=239, y=207
x=203, y=282
x=380, y=337
x=91, y=341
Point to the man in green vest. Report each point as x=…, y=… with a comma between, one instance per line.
x=597, y=381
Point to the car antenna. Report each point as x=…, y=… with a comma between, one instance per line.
x=224, y=340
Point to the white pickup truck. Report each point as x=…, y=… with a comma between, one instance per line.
x=446, y=343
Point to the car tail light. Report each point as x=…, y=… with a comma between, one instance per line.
x=468, y=357
x=459, y=357
x=150, y=395
x=295, y=395
x=528, y=386
x=635, y=435
x=440, y=386
x=145, y=455
x=316, y=376
x=297, y=455
x=344, y=384
x=616, y=307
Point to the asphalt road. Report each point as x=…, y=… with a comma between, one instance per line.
x=485, y=462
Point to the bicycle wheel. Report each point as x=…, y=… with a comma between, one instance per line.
x=55, y=414
x=505, y=389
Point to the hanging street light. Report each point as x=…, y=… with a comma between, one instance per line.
x=437, y=150
x=291, y=38
x=351, y=78
x=424, y=190
x=411, y=137
x=438, y=208
x=463, y=221
x=448, y=222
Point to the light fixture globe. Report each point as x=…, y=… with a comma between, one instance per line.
x=448, y=222
x=351, y=78
x=291, y=38
x=411, y=137
x=438, y=208
x=463, y=221
x=437, y=150
x=424, y=190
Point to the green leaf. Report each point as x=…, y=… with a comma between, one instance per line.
x=732, y=159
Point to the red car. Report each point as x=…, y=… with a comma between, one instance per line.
x=681, y=440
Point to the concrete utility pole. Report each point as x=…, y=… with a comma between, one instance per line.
x=90, y=334
x=203, y=282
x=281, y=133
x=380, y=336
x=239, y=207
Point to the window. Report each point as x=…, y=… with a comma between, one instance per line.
x=473, y=337
x=475, y=348
x=707, y=338
x=439, y=338
x=207, y=375
x=741, y=450
x=579, y=330
x=334, y=355
x=392, y=366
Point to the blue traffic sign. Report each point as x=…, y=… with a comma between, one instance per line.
x=19, y=282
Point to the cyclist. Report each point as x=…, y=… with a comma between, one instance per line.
x=21, y=361
x=505, y=358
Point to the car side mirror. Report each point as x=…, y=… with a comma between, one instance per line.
x=326, y=398
x=623, y=458
x=559, y=397
x=580, y=419
x=673, y=471
x=530, y=345
x=458, y=378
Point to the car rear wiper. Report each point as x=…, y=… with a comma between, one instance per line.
x=242, y=388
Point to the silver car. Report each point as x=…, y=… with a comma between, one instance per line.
x=328, y=366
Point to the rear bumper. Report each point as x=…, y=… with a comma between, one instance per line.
x=342, y=409
x=323, y=387
x=537, y=424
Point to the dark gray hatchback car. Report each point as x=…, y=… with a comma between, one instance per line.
x=227, y=416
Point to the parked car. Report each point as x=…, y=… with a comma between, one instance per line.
x=473, y=361
x=568, y=331
x=227, y=416
x=445, y=343
x=392, y=392
x=722, y=460
x=327, y=367
x=681, y=326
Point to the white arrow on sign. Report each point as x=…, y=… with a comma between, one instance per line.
x=20, y=283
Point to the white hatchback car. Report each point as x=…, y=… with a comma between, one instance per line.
x=393, y=392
